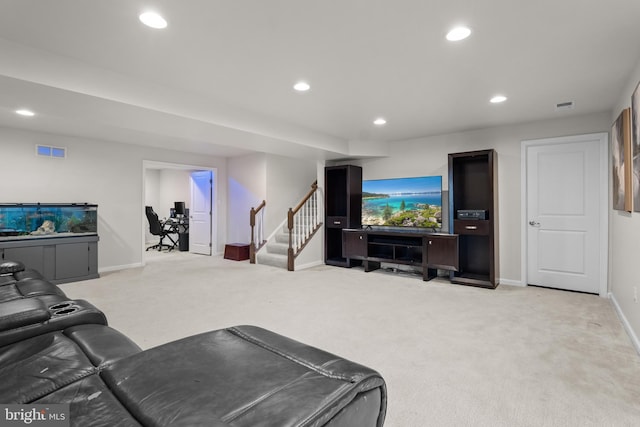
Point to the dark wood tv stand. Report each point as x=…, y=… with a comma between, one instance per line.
x=429, y=251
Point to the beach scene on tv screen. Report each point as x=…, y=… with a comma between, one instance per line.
x=403, y=202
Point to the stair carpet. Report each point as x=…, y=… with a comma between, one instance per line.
x=275, y=251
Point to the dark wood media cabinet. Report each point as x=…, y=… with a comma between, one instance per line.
x=473, y=185
x=429, y=251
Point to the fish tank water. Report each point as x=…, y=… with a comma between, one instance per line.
x=41, y=220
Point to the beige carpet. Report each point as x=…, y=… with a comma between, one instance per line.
x=451, y=355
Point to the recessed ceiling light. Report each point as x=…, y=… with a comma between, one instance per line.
x=302, y=86
x=379, y=121
x=458, y=33
x=498, y=99
x=27, y=113
x=153, y=20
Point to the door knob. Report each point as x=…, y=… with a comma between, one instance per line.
x=534, y=223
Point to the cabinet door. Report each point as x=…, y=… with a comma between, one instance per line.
x=72, y=260
x=30, y=256
x=477, y=227
x=354, y=244
x=337, y=222
x=442, y=252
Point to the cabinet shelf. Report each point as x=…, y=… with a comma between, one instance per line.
x=473, y=185
x=343, y=207
x=398, y=241
x=430, y=251
x=479, y=280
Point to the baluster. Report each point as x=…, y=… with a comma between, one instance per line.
x=296, y=225
x=315, y=204
x=300, y=225
x=300, y=229
x=306, y=224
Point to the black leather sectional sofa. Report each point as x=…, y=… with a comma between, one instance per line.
x=55, y=350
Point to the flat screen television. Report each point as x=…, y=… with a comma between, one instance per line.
x=403, y=202
x=179, y=208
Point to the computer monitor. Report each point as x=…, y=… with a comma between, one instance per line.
x=179, y=208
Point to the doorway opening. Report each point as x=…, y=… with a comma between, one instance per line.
x=163, y=185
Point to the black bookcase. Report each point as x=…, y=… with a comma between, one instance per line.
x=343, y=209
x=473, y=186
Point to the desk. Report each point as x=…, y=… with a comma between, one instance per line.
x=179, y=226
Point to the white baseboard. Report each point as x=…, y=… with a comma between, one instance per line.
x=625, y=323
x=309, y=265
x=511, y=282
x=119, y=267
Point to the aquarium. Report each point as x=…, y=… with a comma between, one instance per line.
x=414, y=202
x=35, y=220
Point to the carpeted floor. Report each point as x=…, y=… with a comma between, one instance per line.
x=451, y=355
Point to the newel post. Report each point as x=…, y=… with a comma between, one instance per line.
x=290, y=257
x=252, y=245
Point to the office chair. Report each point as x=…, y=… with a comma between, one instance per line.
x=157, y=229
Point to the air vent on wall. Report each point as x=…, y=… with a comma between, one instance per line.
x=49, y=151
x=561, y=106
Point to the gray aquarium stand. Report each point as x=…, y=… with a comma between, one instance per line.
x=60, y=259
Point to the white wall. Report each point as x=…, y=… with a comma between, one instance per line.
x=152, y=187
x=247, y=182
x=106, y=173
x=429, y=156
x=288, y=181
x=624, y=230
x=151, y=196
x=175, y=186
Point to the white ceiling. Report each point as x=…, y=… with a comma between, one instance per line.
x=219, y=78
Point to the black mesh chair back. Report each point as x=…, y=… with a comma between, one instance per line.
x=155, y=226
x=157, y=229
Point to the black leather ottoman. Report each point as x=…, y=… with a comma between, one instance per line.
x=241, y=376
x=246, y=376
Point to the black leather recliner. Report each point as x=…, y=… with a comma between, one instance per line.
x=240, y=376
x=17, y=282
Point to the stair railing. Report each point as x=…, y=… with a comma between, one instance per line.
x=302, y=221
x=253, y=248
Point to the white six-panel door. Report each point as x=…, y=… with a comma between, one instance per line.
x=565, y=244
x=200, y=212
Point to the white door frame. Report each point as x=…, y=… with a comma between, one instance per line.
x=152, y=164
x=603, y=203
x=211, y=177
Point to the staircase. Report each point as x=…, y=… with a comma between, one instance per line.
x=291, y=236
x=274, y=253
